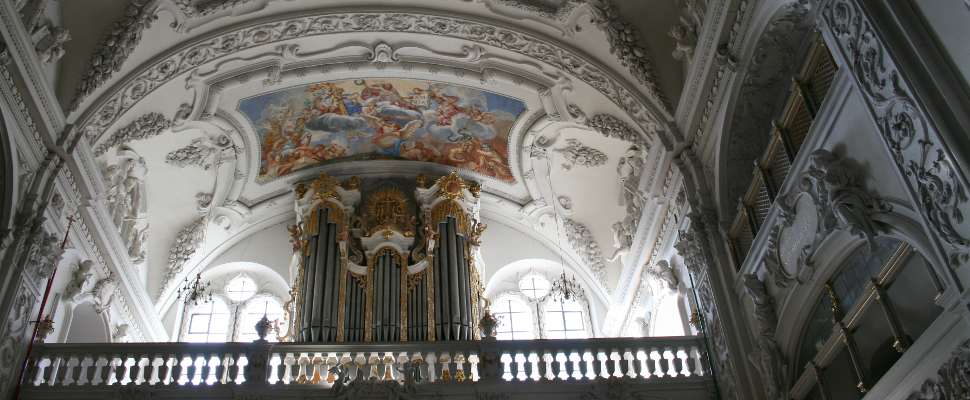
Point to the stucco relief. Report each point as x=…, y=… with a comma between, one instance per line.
x=831, y=196
x=764, y=84
x=915, y=145
x=148, y=79
x=952, y=380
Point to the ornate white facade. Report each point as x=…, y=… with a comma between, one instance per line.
x=784, y=183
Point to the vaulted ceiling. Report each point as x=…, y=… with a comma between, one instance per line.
x=185, y=86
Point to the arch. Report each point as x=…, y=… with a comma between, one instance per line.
x=8, y=168
x=757, y=96
x=831, y=254
x=87, y=325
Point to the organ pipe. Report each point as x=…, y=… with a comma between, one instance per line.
x=411, y=276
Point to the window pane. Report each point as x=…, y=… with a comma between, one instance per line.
x=208, y=322
x=534, y=286
x=564, y=320
x=199, y=324
x=515, y=319
x=255, y=310
x=240, y=289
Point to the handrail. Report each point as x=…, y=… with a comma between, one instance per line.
x=173, y=364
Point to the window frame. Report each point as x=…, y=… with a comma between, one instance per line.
x=235, y=310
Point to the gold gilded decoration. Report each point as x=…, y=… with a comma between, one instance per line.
x=475, y=237
x=341, y=297
x=296, y=237
x=430, y=273
x=353, y=183
x=325, y=186
x=415, y=279
x=475, y=188
x=451, y=186
x=387, y=210
x=300, y=190
x=336, y=216
x=447, y=208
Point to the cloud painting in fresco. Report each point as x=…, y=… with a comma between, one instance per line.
x=406, y=119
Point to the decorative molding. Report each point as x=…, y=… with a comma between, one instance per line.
x=626, y=45
x=691, y=245
x=143, y=127
x=913, y=141
x=576, y=153
x=663, y=272
x=613, y=127
x=187, y=242
x=767, y=359
x=199, y=152
x=836, y=188
x=196, y=9
x=583, y=242
x=113, y=50
x=951, y=381
x=146, y=79
x=43, y=257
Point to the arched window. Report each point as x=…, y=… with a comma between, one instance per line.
x=564, y=320
x=527, y=308
x=233, y=313
x=208, y=322
x=906, y=287
x=515, y=319
x=240, y=288
x=534, y=286
x=253, y=312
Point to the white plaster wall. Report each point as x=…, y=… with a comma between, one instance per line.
x=269, y=247
x=948, y=20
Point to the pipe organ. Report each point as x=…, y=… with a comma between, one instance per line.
x=386, y=260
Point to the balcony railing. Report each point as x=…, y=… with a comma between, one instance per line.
x=57, y=369
x=809, y=88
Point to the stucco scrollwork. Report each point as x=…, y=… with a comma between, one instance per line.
x=583, y=242
x=187, y=242
x=914, y=143
x=143, y=127
x=187, y=58
x=952, y=380
x=836, y=188
x=115, y=48
x=577, y=153
x=44, y=256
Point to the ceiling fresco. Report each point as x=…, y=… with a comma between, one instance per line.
x=458, y=126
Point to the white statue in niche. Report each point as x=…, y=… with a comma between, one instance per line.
x=127, y=201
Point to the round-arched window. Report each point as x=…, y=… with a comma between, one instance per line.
x=240, y=288
x=515, y=319
x=534, y=286
x=208, y=322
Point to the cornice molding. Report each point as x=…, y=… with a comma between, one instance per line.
x=651, y=117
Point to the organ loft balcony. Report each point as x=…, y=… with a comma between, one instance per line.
x=387, y=302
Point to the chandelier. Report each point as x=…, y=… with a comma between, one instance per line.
x=196, y=291
x=564, y=288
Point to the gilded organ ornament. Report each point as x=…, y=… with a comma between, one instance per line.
x=380, y=264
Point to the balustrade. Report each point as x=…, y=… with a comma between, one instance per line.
x=59, y=366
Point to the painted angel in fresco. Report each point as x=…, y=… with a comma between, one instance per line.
x=389, y=135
